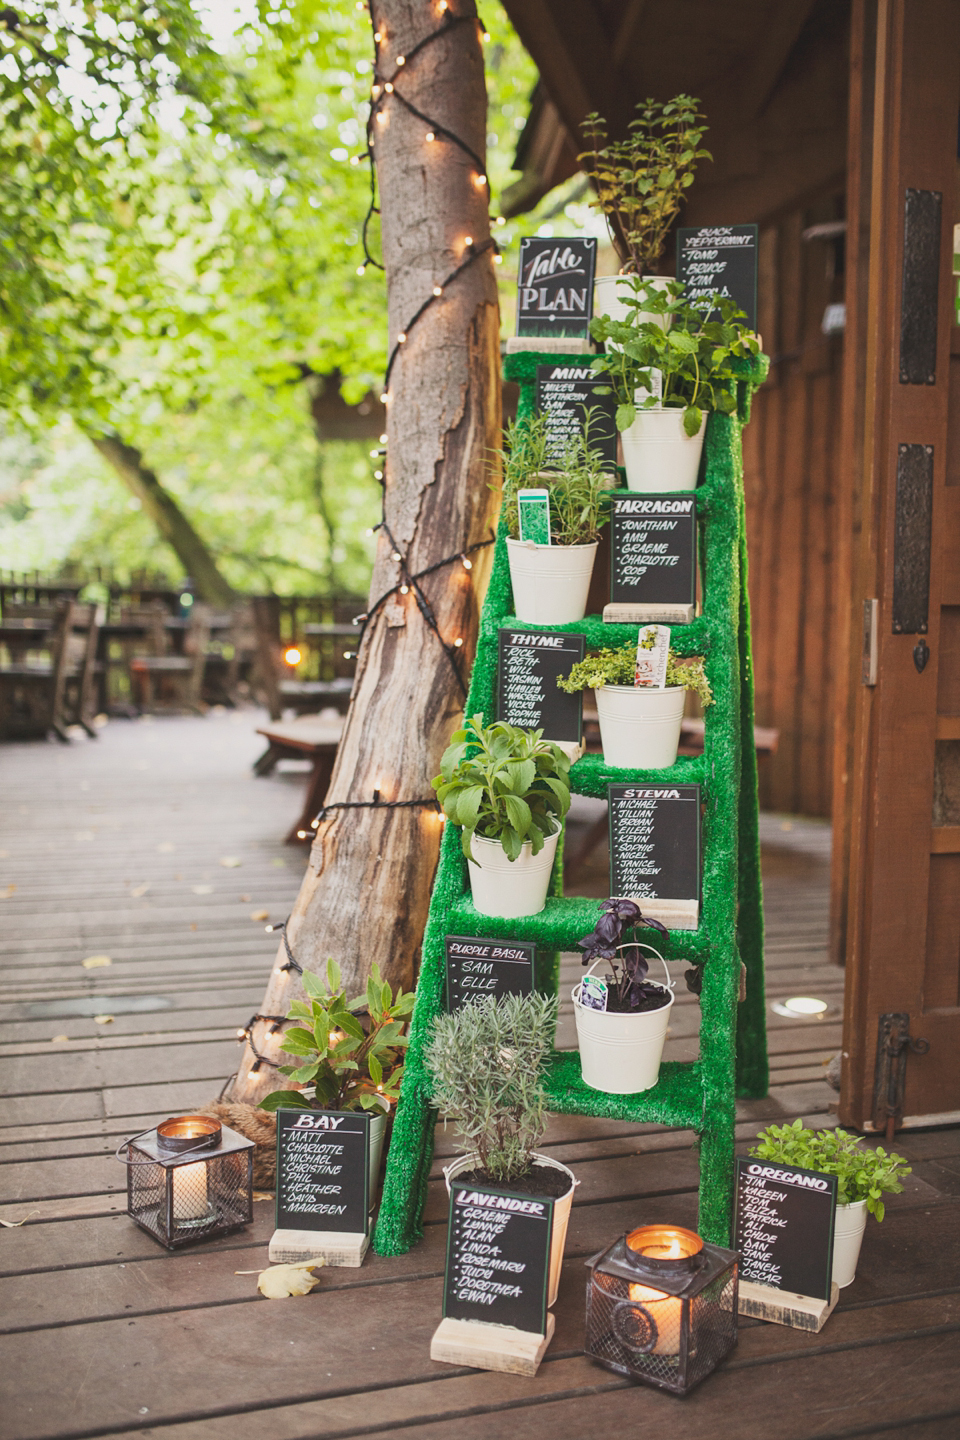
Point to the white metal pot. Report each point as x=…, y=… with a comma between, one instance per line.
x=510, y=888
x=550, y=582
x=609, y=294
x=620, y=1052
x=561, y=1212
x=658, y=453
x=848, y=1231
x=378, y=1130
x=639, y=726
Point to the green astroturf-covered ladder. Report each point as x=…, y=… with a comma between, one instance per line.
x=698, y=1095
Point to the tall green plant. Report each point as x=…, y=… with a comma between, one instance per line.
x=576, y=480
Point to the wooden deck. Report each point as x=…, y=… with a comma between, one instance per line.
x=114, y=847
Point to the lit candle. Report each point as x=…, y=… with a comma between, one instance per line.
x=661, y=1242
x=190, y=1191
x=189, y=1181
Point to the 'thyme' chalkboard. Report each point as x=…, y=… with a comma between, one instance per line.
x=564, y=395
x=655, y=850
x=527, y=692
x=784, y=1226
x=555, y=286
x=722, y=260
x=653, y=568
x=498, y=1257
x=323, y=1170
x=478, y=967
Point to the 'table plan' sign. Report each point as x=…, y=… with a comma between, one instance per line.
x=722, y=260
x=555, y=286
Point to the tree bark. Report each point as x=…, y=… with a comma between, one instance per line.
x=169, y=519
x=367, y=888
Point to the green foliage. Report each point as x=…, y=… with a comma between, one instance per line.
x=862, y=1174
x=486, y=1063
x=578, y=507
x=641, y=181
x=346, y=1065
x=503, y=783
x=619, y=667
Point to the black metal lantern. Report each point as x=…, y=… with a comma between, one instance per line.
x=190, y=1179
x=662, y=1307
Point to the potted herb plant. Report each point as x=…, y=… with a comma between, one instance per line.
x=550, y=581
x=667, y=381
x=864, y=1176
x=350, y=1052
x=622, y=1019
x=639, y=724
x=487, y=1064
x=508, y=791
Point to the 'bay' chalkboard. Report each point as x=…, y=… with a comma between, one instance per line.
x=323, y=1170
x=720, y=259
x=478, y=967
x=564, y=394
x=655, y=850
x=528, y=695
x=784, y=1226
x=498, y=1257
x=653, y=568
x=555, y=286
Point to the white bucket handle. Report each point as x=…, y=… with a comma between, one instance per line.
x=670, y=985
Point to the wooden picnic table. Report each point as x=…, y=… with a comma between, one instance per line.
x=313, y=737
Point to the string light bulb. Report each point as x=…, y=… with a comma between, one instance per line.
x=458, y=642
x=486, y=37
x=361, y=269
x=443, y=7
x=501, y=220
x=430, y=137
x=375, y=91
x=467, y=564
x=378, y=36
x=438, y=290
x=389, y=87
x=396, y=556
x=498, y=259
x=384, y=397
x=479, y=181
x=404, y=589
x=468, y=241
x=369, y=529
x=378, y=474
x=402, y=338
x=401, y=60
x=383, y=439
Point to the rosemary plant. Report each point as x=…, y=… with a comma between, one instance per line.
x=576, y=479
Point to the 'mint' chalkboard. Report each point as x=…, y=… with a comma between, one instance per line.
x=478, y=967
x=528, y=695
x=555, y=286
x=498, y=1257
x=564, y=394
x=323, y=1170
x=720, y=259
x=784, y=1226
x=655, y=850
x=653, y=568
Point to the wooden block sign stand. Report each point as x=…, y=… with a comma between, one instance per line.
x=784, y=1232
x=323, y=1187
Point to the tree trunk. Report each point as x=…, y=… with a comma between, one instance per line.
x=367, y=888
x=169, y=519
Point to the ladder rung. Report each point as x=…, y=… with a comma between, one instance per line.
x=693, y=639
x=590, y=774
x=676, y=1099
x=559, y=926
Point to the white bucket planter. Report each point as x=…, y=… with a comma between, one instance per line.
x=848, y=1231
x=561, y=1212
x=550, y=582
x=610, y=292
x=620, y=1053
x=378, y=1130
x=510, y=888
x=658, y=453
x=640, y=727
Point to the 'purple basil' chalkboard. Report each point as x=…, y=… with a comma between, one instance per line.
x=478, y=967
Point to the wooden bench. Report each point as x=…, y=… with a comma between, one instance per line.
x=312, y=737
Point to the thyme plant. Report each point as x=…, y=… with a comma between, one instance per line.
x=576, y=480
x=619, y=667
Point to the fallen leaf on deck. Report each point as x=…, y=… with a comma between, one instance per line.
x=245, y=899
x=15, y=1224
x=5, y=894
x=58, y=1039
x=259, y=914
x=202, y=889
x=280, y=864
x=93, y=962
x=139, y=890
x=166, y=847
x=261, y=1195
x=230, y=862
x=103, y=1019
x=84, y=835
x=280, y=1281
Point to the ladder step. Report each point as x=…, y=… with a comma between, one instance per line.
x=590, y=774
x=676, y=1099
x=559, y=926
x=692, y=639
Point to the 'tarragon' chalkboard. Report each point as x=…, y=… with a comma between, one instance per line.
x=722, y=260
x=783, y=1225
x=653, y=566
x=478, y=967
x=323, y=1170
x=655, y=850
x=498, y=1257
x=564, y=395
x=529, y=663
x=555, y=286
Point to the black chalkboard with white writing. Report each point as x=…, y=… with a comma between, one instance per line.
x=528, y=695
x=564, y=395
x=498, y=1257
x=654, y=549
x=655, y=841
x=323, y=1170
x=722, y=260
x=478, y=967
x=784, y=1226
x=555, y=286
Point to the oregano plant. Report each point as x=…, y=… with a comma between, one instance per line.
x=862, y=1173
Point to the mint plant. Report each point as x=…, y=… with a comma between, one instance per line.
x=862, y=1173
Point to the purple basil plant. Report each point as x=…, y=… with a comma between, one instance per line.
x=630, y=967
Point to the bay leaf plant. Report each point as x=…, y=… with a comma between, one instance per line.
x=576, y=479
x=614, y=939
x=862, y=1173
x=618, y=666
x=503, y=783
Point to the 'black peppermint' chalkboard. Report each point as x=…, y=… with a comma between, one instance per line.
x=655, y=850
x=564, y=395
x=653, y=568
x=529, y=663
x=478, y=967
x=720, y=259
x=784, y=1226
x=323, y=1170
x=498, y=1257
x=555, y=286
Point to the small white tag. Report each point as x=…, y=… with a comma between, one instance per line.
x=652, y=658
x=593, y=993
x=653, y=386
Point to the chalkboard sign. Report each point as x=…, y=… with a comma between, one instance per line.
x=527, y=692
x=498, y=1257
x=323, y=1179
x=653, y=569
x=564, y=394
x=655, y=850
x=555, y=286
x=478, y=967
x=784, y=1226
x=720, y=259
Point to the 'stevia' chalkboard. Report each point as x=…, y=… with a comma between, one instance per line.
x=564, y=394
x=653, y=569
x=555, y=286
x=478, y=967
x=498, y=1257
x=323, y=1170
x=528, y=695
x=720, y=259
x=784, y=1226
x=655, y=850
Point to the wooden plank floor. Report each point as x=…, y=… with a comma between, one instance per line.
x=116, y=848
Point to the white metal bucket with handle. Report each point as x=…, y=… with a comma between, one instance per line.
x=850, y=1223
x=640, y=725
x=620, y=1052
x=510, y=888
x=659, y=455
x=550, y=582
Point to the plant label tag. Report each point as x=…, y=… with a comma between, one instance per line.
x=652, y=386
x=593, y=993
x=533, y=508
x=653, y=649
